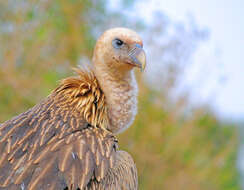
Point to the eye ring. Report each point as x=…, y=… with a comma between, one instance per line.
x=117, y=43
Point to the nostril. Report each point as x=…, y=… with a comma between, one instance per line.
x=138, y=46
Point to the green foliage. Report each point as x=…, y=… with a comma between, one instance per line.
x=197, y=152
x=40, y=42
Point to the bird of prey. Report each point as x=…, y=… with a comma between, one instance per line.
x=68, y=141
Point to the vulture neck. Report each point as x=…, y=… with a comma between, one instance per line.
x=120, y=90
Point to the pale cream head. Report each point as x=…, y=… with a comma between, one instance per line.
x=119, y=49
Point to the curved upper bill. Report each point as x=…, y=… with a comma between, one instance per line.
x=138, y=57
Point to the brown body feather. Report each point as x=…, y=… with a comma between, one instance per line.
x=63, y=142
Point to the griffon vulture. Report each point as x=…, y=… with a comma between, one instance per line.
x=68, y=141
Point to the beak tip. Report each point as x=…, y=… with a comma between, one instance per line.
x=138, y=56
x=142, y=60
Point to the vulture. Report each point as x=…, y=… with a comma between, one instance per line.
x=67, y=141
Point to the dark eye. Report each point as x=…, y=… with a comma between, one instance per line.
x=117, y=43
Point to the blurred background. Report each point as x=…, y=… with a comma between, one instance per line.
x=188, y=131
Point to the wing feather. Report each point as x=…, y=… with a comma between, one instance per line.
x=49, y=148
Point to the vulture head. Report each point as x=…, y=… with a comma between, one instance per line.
x=118, y=51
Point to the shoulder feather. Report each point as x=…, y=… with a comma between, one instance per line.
x=61, y=142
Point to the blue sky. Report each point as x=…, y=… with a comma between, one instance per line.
x=221, y=57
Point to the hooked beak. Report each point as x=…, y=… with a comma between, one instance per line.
x=138, y=56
